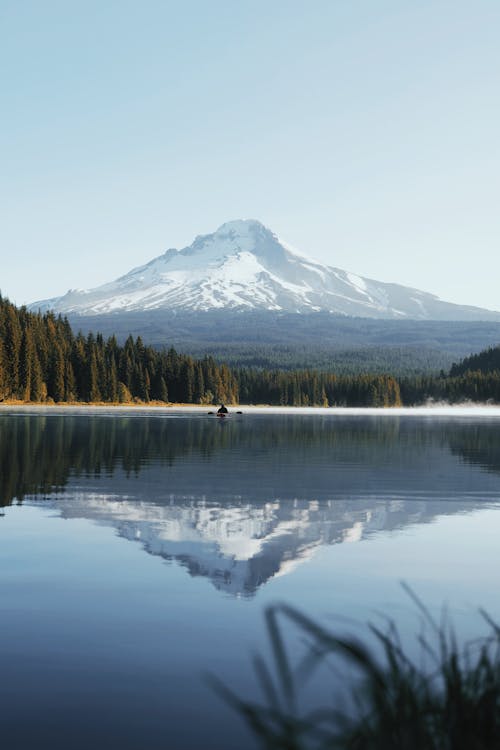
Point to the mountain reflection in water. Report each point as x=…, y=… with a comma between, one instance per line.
x=244, y=501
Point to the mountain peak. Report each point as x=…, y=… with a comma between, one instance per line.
x=244, y=265
x=242, y=227
x=235, y=235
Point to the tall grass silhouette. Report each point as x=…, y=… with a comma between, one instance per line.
x=446, y=699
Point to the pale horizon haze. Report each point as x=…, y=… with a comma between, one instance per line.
x=365, y=134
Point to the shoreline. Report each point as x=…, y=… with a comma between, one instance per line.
x=436, y=410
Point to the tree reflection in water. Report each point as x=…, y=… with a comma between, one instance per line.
x=243, y=501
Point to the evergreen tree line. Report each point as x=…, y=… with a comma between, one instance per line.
x=486, y=361
x=473, y=385
x=314, y=388
x=42, y=360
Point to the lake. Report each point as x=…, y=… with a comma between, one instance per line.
x=138, y=551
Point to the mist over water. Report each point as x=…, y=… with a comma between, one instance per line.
x=137, y=552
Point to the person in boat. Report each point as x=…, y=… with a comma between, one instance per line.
x=222, y=409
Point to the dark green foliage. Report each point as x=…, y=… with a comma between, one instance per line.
x=369, y=360
x=446, y=699
x=41, y=358
x=13, y=334
x=313, y=388
x=287, y=341
x=476, y=386
x=487, y=361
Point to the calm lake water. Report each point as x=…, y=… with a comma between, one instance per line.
x=138, y=552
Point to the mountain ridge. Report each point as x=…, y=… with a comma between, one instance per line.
x=244, y=266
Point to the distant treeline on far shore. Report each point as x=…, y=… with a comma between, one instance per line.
x=42, y=360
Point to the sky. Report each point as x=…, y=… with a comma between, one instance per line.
x=366, y=134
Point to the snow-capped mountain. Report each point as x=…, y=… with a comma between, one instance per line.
x=244, y=266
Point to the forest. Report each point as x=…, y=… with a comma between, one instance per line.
x=42, y=360
x=275, y=340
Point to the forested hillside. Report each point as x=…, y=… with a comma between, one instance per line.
x=42, y=360
x=487, y=361
x=286, y=341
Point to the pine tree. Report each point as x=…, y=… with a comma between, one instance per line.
x=38, y=386
x=69, y=381
x=26, y=365
x=57, y=381
x=163, y=390
x=12, y=344
x=94, y=394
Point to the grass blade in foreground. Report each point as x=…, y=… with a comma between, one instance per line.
x=450, y=701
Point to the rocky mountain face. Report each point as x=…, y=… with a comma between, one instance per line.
x=243, y=266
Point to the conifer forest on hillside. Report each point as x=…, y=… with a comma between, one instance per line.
x=42, y=360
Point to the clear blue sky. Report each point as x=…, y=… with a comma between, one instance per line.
x=366, y=133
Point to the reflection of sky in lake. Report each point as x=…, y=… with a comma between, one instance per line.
x=104, y=644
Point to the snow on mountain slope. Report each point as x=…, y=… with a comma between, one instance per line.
x=244, y=266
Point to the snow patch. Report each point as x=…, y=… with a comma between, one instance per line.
x=358, y=282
